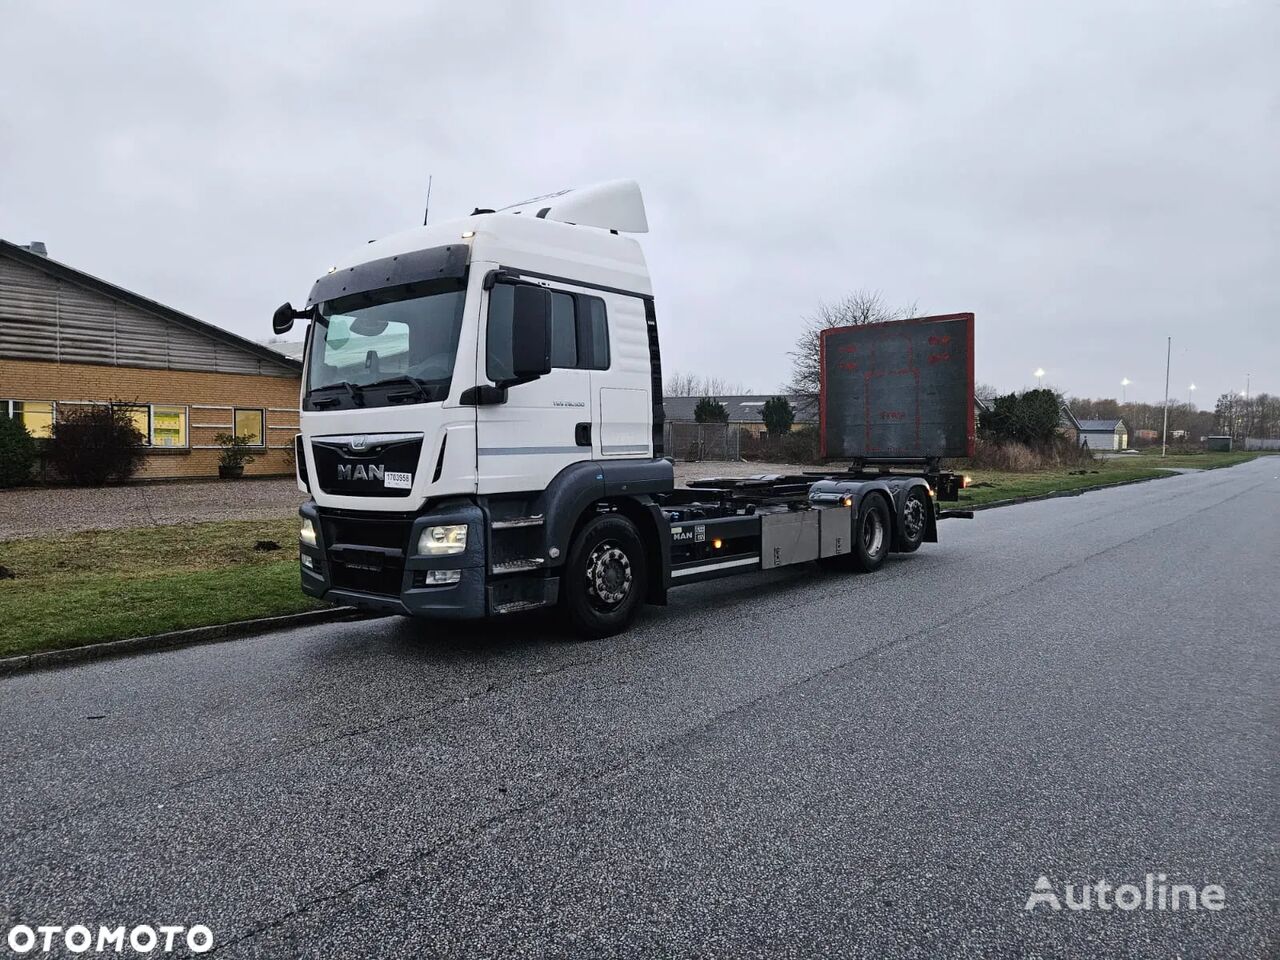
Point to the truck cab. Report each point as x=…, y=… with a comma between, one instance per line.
x=473, y=393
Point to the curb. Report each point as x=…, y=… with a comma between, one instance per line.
x=1055, y=494
x=241, y=629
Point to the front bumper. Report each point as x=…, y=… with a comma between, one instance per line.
x=368, y=561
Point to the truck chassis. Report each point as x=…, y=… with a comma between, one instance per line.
x=602, y=559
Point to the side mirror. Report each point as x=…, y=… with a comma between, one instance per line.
x=282, y=319
x=530, y=333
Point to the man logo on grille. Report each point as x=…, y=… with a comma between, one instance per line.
x=359, y=471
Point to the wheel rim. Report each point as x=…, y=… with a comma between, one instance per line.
x=609, y=576
x=872, y=533
x=913, y=518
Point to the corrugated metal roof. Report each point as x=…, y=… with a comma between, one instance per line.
x=51, y=311
x=1099, y=426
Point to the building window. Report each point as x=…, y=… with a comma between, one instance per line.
x=140, y=414
x=161, y=425
x=35, y=415
x=168, y=426
x=251, y=424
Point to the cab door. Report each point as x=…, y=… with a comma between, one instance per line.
x=544, y=425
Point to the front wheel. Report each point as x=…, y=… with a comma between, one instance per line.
x=605, y=577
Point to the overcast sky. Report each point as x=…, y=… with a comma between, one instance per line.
x=1087, y=180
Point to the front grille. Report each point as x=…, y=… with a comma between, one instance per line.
x=383, y=466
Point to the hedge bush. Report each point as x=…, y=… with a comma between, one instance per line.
x=17, y=453
x=94, y=445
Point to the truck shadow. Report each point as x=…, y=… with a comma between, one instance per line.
x=541, y=635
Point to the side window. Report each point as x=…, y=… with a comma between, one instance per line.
x=598, y=334
x=579, y=332
x=564, y=331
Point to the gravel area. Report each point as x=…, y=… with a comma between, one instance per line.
x=50, y=510
x=42, y=511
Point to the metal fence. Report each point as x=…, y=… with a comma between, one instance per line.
x=691, y=442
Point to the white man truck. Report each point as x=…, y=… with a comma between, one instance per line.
x=482, y=431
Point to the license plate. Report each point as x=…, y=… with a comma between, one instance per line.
x=362, y=560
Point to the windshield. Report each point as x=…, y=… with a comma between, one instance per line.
x=384, y=347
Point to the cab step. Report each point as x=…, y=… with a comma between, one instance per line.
x=515, y=606
x=518, y=566
x=514, y=522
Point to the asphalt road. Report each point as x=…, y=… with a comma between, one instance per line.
x=783, y=765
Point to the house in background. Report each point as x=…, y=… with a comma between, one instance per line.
x=1068, y=425
x=1102, y=434
x=68, y=339
x=746, y=412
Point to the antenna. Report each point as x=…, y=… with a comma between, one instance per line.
x=426, y=211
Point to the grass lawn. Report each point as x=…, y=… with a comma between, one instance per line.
x=109, y=585
x=990, y=485
x=1198, y=460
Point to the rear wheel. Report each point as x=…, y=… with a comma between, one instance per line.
x=871, y=534
x=605, y=577
x=915, y=520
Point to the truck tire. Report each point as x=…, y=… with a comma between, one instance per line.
x=914, y=522
x=872, y=534
x=605, y=578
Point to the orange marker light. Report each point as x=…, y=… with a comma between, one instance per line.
x=717, y=543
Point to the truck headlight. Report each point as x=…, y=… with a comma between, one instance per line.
x=444, y=540
x=308, y=532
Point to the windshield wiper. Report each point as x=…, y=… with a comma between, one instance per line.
x=423, y=386
x=356, y=392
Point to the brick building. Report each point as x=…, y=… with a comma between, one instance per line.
x=69, y=339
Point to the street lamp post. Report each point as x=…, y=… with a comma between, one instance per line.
x=1168, y=359
x=1039, y=375
x=1124, y=390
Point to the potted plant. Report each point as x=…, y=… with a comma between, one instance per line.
x=235, y=454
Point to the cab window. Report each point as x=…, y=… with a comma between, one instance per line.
x=579, y=332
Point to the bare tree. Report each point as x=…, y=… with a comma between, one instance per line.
x=855, y=309
x=720, y=387
x=985, y=392
x=691, y=385
x=682, y=384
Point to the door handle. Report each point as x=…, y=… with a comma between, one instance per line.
x=582, y=434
